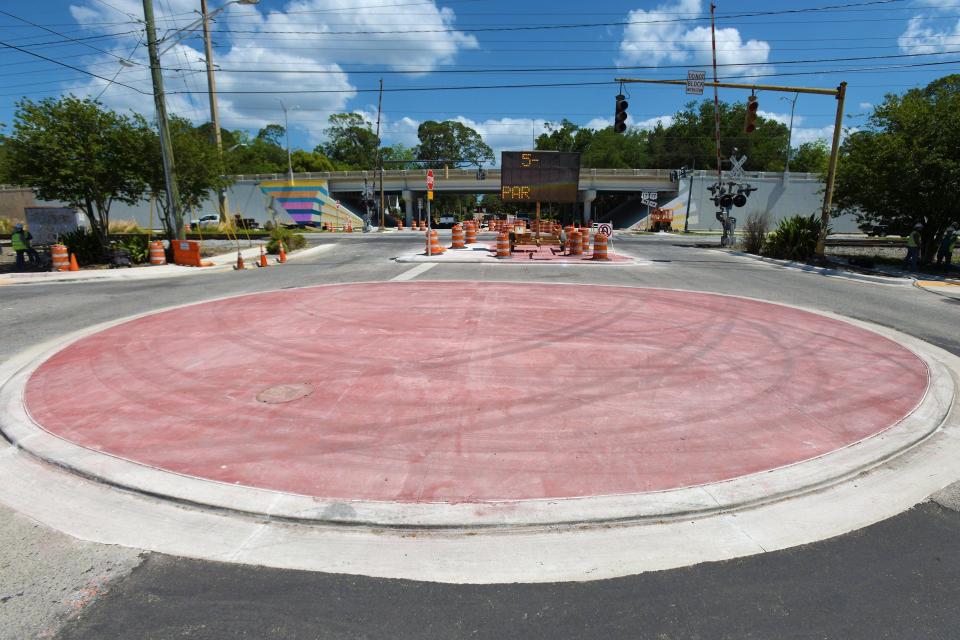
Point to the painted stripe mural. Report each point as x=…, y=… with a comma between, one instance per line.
x=309, y=202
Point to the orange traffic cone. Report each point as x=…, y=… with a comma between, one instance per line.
x=263, y=257
x=283, y=255
x=239, y=266
x=73, y=263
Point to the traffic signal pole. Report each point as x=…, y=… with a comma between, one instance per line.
x=839, y=93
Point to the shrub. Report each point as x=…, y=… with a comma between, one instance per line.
x=291, y=240
x=794, y=238
x=6, y=225
x=86, y=246
x=755, y=232
x=136, y=247
x=124, y=226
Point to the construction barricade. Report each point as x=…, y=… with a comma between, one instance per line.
x=61, y=260
x=503, y=245
x=471, y=232
x=157, y=254
x=600, y=247
x=459, y=241
x=585, y=240
x=573, y=239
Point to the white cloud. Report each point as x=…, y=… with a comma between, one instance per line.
x=657, y=38
x=866, y=106
x=802, y=135
x=932, y=31
x=244, y=41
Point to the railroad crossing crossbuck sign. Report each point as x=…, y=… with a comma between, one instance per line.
x=736, y=167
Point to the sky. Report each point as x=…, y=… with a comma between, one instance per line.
x=463, y=59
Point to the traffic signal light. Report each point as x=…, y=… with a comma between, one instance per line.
x=620, y=117
x=751, y=121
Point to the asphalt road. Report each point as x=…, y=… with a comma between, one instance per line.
x=896, y=579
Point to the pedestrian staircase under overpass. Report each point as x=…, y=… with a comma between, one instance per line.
x=627, y=215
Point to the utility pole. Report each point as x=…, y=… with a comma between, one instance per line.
x=214, y=112
x=166, y=147
x=380, y=153
x=725, y=239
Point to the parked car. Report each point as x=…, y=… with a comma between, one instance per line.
x=205, y=220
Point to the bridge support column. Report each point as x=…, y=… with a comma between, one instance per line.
x=588, y=197
x=408, y=204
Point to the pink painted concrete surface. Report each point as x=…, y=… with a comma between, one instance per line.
x=467, y=391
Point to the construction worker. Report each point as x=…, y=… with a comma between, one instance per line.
x=913, y=248
x=947, y=245
x=20, y=240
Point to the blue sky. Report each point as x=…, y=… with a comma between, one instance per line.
x=325, y=56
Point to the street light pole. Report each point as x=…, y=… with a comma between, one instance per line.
x=166, y=146
x=286, y=128
x=793, y=106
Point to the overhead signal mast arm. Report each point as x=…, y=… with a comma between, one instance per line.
x=840, y=93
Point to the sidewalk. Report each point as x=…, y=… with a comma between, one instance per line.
x=221, y=262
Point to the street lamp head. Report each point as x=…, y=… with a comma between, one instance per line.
x=248, y=1
x=126, y=63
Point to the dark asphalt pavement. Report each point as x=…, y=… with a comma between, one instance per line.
x=897, y=579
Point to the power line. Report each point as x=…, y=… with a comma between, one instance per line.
x=582, y=25
x=57, y=33
x=584, y=69
x=68, y=66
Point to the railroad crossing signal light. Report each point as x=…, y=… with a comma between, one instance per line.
x=620, y=117
x=751, y=120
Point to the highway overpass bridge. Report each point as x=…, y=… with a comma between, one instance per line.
x=778, y=194
x=410, y=184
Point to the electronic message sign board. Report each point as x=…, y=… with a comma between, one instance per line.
x=539, y=176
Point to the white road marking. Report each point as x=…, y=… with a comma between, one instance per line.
x=414, y=272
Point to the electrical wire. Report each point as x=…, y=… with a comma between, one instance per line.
x=33, y=24
x=68, y=66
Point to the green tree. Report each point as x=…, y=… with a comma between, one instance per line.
x=611, y=150
x=310, y=162
x=901, y=168
x=272, y=134
x=565, y=136
x=399, y=156
x=246, y=156
x=199, y=169
x=453, y=144
x=350, y=141
x=812, y=157
x=691, y=137
x=76, y=151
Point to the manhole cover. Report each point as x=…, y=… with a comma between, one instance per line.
x=281, y=393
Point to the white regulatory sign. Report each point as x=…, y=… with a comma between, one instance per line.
x=695, y=82
x=605, y=228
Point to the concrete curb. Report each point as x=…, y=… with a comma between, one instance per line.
x=696, y=501
x=824, y=271
x=222, y=262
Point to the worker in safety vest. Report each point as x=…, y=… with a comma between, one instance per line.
x=947, y=245
x=913, y=248
x=20, y=239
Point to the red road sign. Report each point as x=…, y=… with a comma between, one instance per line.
x=430, y=179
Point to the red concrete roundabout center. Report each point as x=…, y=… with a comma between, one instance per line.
x=472, y=392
